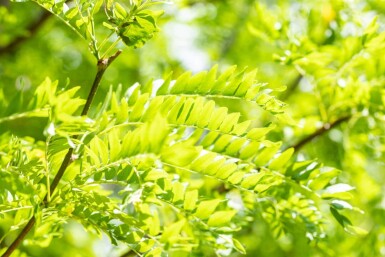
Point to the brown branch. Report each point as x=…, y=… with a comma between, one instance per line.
x=102, y=66
x=20, y=237
x=4, y=3
x=31, y=30
x=292, y=87
x=129, y=253
x=325, y=128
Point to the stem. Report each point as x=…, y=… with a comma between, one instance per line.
x=292, y=87
x=33, y=113
x=129, y=253
x=16, y=209
x=66, y=162
x=319, y=132
x=105, y=40
x=20, y=237
x=112, y=46
x=102, y=66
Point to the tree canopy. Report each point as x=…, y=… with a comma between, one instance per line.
x=192, y=128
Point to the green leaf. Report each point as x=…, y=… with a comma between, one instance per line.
x=156, y=252
x=221, y=143
x=226, y=170
x=267, y=153
x=120, y=12
x=220, y=84
x=206, y=208
x=214, y=166
x=240, y=128
x=125, y=173
x=340, y=191
x=164, y=88
x=217, y=118
x=250, y=180
x=357, y=231
x=146, y=245
x=229, y=122
x=210, y=139
x=180, y=84
x=190, y=200
x=326, y=174
x=238, y=246
x=342, y=220
x=196, y=111
x=71, y=13
x=249, y=150
x=155, y=174
x=281, y=160
x=302, y=170
x=247, y=84
x=202, y=162
x=137, y=111
x=206, y=115
x=258, y=133
x=97, y=6
x=341, y=205
x=235, y=146
x=178, y=192
x=99, y=147
x=179, y=154
x=220, y=218
x=172, y=231
x=187, y=107
x=236, y=177
x=208, y=81
x=138, y=32
x=196, y=82
x=175, y=111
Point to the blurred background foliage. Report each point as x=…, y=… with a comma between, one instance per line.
x=328, y=53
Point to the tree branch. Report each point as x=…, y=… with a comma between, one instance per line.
x=20, y=237
x=319, y=132
x=31, y=30
x=102, y=66
x=292, y=87
x=129, y=253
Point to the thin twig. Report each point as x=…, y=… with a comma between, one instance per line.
x=102, y=66
x=291, y=87
x=325, y=128
x=20, y=237
x=31, y=30
x=129, y=253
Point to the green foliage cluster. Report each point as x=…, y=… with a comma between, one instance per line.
x=183, y=166
x=134, y=24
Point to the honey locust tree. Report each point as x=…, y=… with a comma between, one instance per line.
x=178, y=166
x=328, y=54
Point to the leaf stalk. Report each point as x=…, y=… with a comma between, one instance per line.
x=102, y=66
